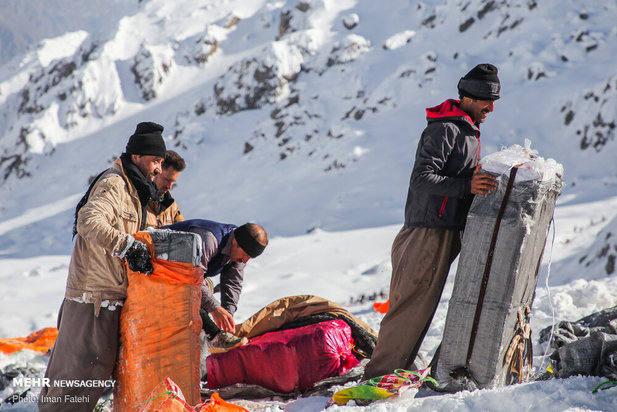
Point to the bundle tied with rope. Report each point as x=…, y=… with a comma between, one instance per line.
x=286, y=361
x=487, y=337
x=160, y=322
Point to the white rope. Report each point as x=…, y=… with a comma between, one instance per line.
x=550, y=301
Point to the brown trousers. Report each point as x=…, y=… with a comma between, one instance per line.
x=421, y=259
x=85, y=351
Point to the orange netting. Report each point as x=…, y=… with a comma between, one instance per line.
x=159, y=332
x=167, y=397
x=216, y=404
x=40, y=341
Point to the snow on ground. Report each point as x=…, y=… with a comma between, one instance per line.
x=342, y=266
x=348, y=123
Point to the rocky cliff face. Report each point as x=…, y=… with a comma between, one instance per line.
x=309, y=41
x=319, y=82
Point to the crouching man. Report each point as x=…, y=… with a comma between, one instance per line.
x=226, y=249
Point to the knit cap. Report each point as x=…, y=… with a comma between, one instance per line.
x=147, y=140
x=480, y=83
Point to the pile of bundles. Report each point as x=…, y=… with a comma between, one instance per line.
x=487, y=337
x=585, y=347
x=294, y=343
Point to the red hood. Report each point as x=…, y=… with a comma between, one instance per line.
x=449, y=108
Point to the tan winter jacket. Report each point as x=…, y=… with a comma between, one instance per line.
x=157, y=218
x=112, y=211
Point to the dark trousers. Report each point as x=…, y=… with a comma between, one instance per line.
x=85, y=351
x=421, y=259
x=209, y=326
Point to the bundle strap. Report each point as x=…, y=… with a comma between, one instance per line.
x=520, y=352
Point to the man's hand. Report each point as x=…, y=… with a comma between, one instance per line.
x=138, y=258
x=482, y=183
x=223, y=319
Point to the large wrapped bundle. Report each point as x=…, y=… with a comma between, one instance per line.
x=160, y=324
x=486, y=340
x=301, y=310
x=286, y=361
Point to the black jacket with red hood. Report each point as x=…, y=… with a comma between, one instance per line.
x=440, y=185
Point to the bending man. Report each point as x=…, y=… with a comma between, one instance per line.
x=226, y=250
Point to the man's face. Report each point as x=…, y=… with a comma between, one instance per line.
x=166, y=180
x=149, y=165
x=478, y=109
x=236, y=253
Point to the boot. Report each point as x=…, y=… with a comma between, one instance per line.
x=224, y=341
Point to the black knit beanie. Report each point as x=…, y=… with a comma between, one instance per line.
x=147, y=140
x=480, y=83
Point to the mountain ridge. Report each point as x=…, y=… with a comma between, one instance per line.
x=319, y=101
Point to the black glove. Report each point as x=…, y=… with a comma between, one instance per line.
x=138, y=258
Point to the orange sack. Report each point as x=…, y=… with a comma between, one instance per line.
x=39, y=341
x=159, y=332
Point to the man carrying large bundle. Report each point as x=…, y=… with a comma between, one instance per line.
x=444, y=178
x=114, y=206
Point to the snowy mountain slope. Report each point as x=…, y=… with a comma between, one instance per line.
x=304, y=95
x=24, y=24
x=304, y=115
x=339, y=266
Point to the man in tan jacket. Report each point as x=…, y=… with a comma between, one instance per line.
x=114, y=207
x=164, y=210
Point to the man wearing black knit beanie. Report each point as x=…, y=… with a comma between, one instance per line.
x=444, y=179
x=113, y=208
